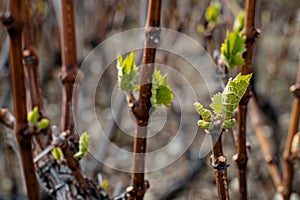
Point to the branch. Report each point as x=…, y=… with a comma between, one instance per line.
x=14, y=25
x=69, y=71
x=264, y=144
x=219, y=162
x=288, y=157
x=143, y=105
x=7, y=118
x=33, y=86
x=241, y=158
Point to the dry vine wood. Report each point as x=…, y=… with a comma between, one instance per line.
x=33, y=86
x=264, y=143
x=69, y=72
x=14, y=24
x=141, y=107
x=241, y=158
x=219, y=162
x=288, y=158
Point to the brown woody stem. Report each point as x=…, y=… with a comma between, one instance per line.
x=219, y=162
x=33, y=86
x=7, y=118
x=241, y=158
x=14, y=24
x=288, y=158
x=264, y=143
x=143, y=105
x=69, y=71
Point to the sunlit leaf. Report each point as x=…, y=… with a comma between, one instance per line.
x=216, y=104
x=84, y=145
x=205, y=125
x=161, y=90
x=203, y=112
x=229, y=123
x=232, y=49
x=43, y=123
x=57, y=153
x=233, y=93
x=33, y=115
x=212, y=13
x=239, y=21
x=127, y=73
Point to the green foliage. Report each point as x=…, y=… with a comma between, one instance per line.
x=233, y=93
x=206, y=115
x=43, y=123
x=127, y=73
x=84, y=146
x=212, y=13
x=223, y=104
x=33, y=115
x=57, y=153
x=161, y=92
x=232, y=49
x=239, y=21
x=203, y=112
x=216, y=104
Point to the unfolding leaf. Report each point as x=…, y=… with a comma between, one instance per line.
x=33, y=115
x=216, y=104
x=161, y=90
x=232, y=49
x=212, y=13
x=105, y=184
x=239, y=21
x=57, y=153
x=127, y=73
x=229, y=123
x=84, y=145
x=233, y=93
x=203, y=112
x=43, y=123
x=205, y=125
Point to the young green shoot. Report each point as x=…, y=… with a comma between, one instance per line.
x=223, y=104
x=84, y=146
x=233, y=48
x=33, y=117
x=127, y=75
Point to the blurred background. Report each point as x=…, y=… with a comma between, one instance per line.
x=275, y=66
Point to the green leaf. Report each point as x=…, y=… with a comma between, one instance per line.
x=203, y=112
x=43, y=123
x=212, y=13
x=161, y=92
x=232, y=49
x=57, y=153
x=239, y=21
x=205, y=125
x=233, y=93
x=84, y=145
x=229, y=123
x=33, y=115
x=127, y=73
x=216, y=104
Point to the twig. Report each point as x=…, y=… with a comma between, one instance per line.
x=288, y=157
x=219, y=162
x=34, y=94
x=142, y=106
x=7, y=118
x=241, y=158
x=14, y=25
x=264, y=143
x=69, y=71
